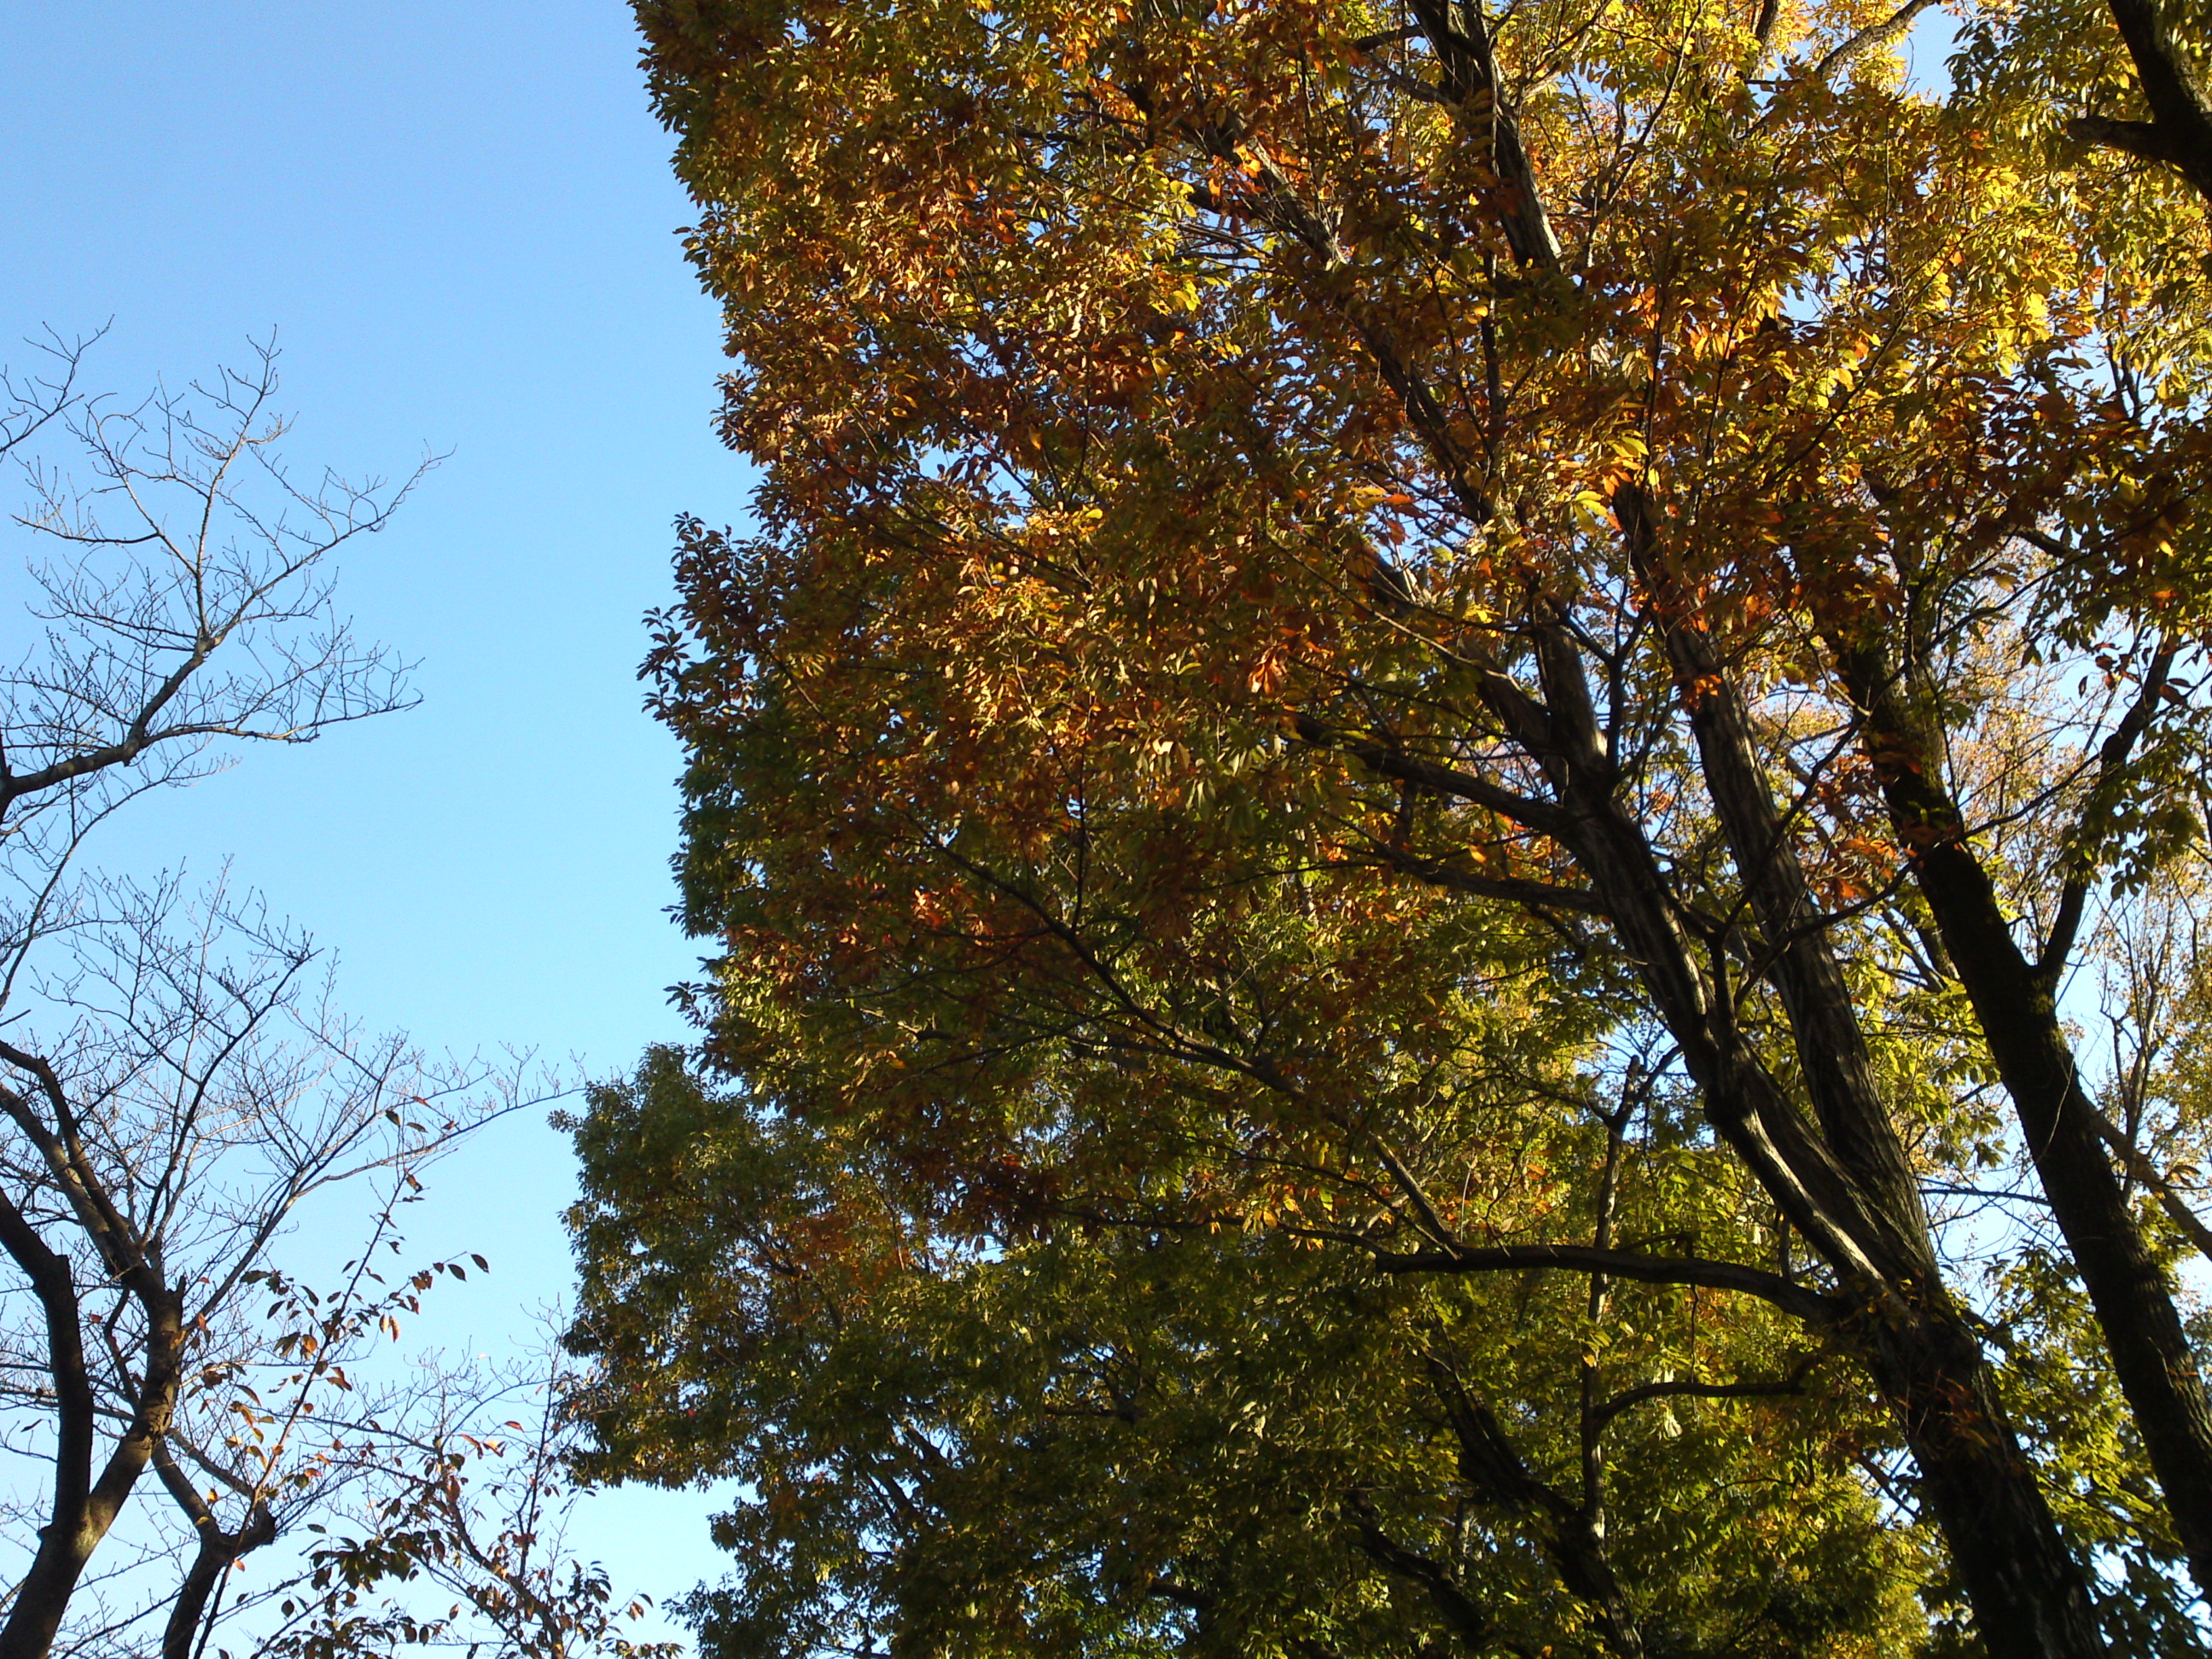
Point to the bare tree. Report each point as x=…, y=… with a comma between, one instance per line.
x=176, y=1090
x=190, y=606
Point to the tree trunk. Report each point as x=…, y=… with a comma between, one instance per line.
x=43, y=1596
x=2027, y=1592
x=83, y=1510
x=2019, y=1020
x=1848, y=1193
x=218, y=1552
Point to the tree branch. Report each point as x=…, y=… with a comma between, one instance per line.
x=2179, y=132
x=1535, y=895
x=2141, y=1169
x=1791, y=1298
x=1460, y=1610
x=1873, y=38
x=2111, y=759
x=1750, y=1389
x=1393, y=762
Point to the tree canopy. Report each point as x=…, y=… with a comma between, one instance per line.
x=1452, y=812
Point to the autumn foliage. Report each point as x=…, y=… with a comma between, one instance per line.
x=1429, y=715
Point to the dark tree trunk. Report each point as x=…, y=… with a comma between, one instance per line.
x=2029, y=1596
x=2179, y=132
x=84, y=1509
x=218, y=1553
x=2028, y=1593
x=43, y=1596
x=1846, y=1185
x=2012, y=1005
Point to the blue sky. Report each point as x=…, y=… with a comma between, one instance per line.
x=460, y=221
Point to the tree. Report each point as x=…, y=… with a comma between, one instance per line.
x=180, y=1091
x=1283, y=516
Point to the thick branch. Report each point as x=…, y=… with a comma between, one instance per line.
x=140, y=737
x=1460, y=1610
x=1461, y=37
x=64, y=1159
x=1393, y=762
x=1824, y=1020
x=217, y=1550
x=1493, y=1467
x=1754, y=1387
x=1535, y=895
x=2179, y=132
x=44, y=1590
x=1873, y=38
x=1791, y=1298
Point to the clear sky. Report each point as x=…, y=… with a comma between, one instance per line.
x=458, y=218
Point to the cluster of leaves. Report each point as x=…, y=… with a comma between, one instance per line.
x=1210, y=1435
